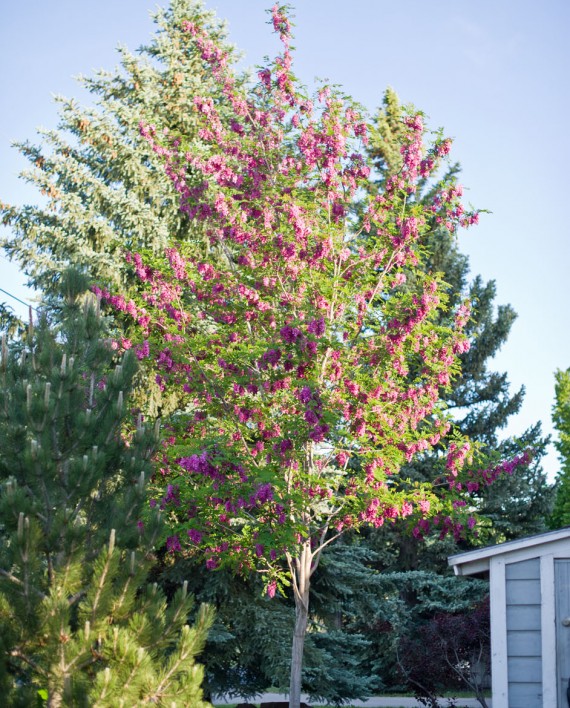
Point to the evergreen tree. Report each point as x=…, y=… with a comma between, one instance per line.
x=76, y=628
x=561, y=419
x=10, y=324
x=479, y=399
x=248, y=651
x=106, y=191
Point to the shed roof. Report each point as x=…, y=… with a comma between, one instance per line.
x=478, y=561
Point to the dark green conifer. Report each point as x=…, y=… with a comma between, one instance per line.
x=77, y=627
x=480, y=400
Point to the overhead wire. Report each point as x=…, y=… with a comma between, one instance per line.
x=27, y=304
x=14, y=297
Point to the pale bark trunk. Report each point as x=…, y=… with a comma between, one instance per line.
x=59, y=684
x=55, y=698
x=301, y=584
x=301, y=620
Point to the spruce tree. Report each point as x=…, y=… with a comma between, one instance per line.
x=106, y=191
x=77, y=627
x=247, y=652
x=480, y=399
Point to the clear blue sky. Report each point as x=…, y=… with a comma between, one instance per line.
x=493, y=73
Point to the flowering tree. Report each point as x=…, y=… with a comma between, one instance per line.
x=310, y=354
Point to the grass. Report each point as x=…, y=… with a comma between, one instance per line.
x=345, y=705
x=401, y=694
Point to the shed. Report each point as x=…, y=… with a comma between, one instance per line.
x=530, y=617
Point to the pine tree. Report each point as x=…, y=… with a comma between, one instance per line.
x=561, y=419
x=76, y=627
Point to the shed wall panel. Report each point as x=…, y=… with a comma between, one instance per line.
x=525, y=695
x=524, y=633
x=524, y=643
x=525, y=670
x=525, y=570
x=523, y=592
x=523, y=617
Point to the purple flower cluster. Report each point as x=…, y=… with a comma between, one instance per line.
x=199, y=464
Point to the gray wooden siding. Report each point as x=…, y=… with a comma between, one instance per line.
x=524, y=639
x=562, y=585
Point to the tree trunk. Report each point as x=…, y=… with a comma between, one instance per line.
x=301, y=619
x=58, y=683
x=54, y=700
x=55, y=697
x=301, y=584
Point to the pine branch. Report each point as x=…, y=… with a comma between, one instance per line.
x=13, y=579
x=19, y=654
